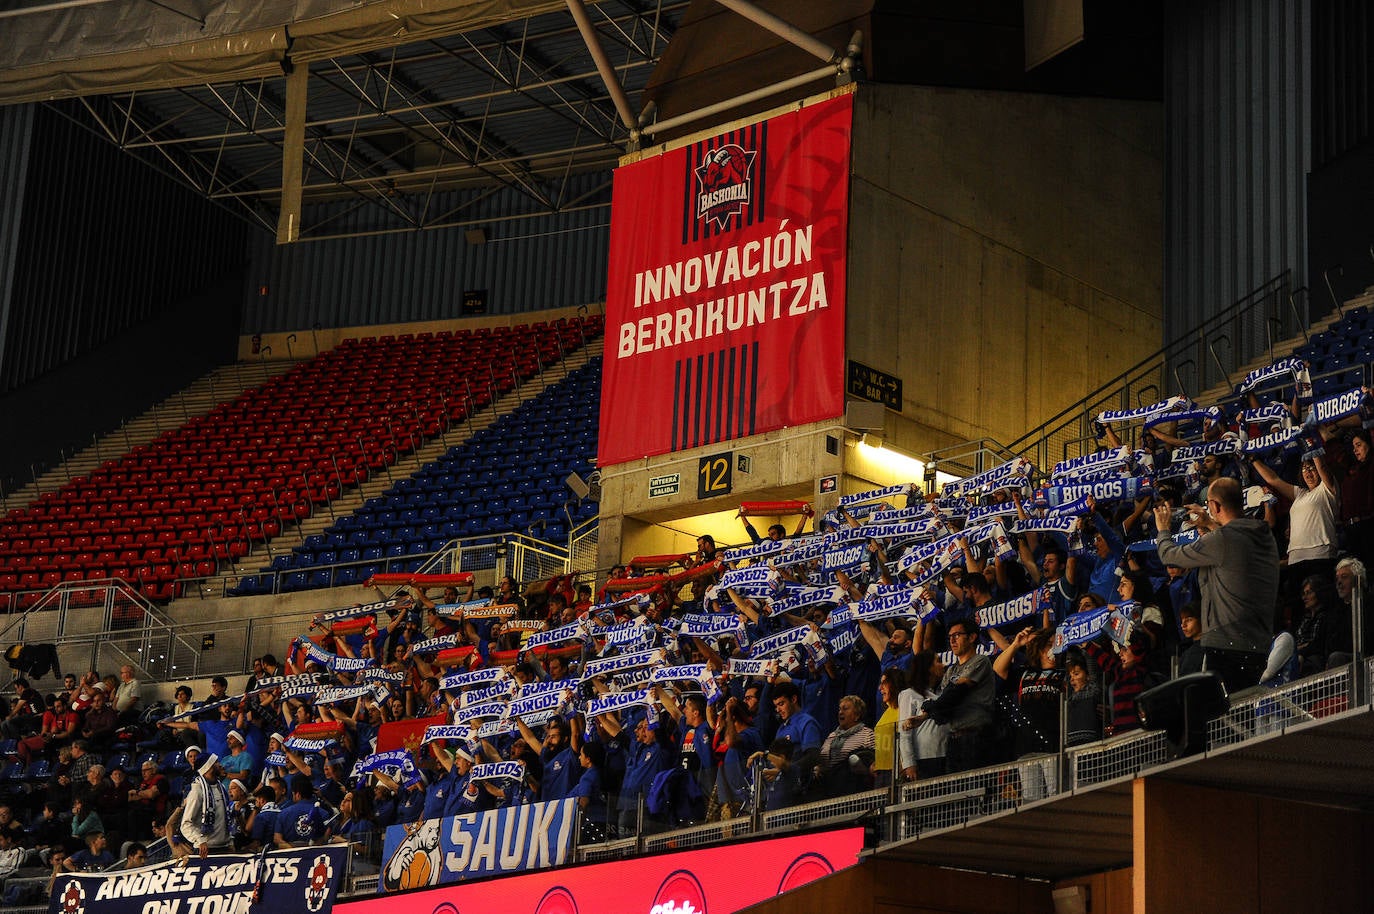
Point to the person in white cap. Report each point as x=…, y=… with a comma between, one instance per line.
x=450, y=794
x=275, y=765
x=205, y=814
x=240, y=764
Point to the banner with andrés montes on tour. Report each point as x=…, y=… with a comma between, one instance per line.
x=305, y=879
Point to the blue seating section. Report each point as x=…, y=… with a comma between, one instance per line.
x=508, y=478
x=1339, y=353
x=1336, y=357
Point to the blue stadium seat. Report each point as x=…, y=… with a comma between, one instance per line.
x=38, y=770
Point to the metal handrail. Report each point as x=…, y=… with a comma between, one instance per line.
x=1036, y=444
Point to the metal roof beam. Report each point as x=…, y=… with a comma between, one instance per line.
x=603, y=66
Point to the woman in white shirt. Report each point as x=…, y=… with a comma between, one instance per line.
x=921, y=744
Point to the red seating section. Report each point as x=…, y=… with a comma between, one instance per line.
x=203, y=493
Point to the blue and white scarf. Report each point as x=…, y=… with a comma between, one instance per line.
x=1092, y=464
x=446, y=731
x=801, y=550
x=367, y=609
x=760, y=550
x=776, y=644
x=1291, y=369
x=753, y=669
x=1010, y=473
x=564, y=634
x=806, y=598
x=895, y=604
x=900, y=514
x=484, y=711
x=1079, y=628
x=1282, y=438
x=1154, y=410
x=497, y=771
x=1223, y=446
x=458, y=610
x=484, y=676
x=616, y=702
x=981, y=513
x=1124, y=488
x=1331, y=409
x=1028, y=604
x=1200, y=416
x=859, y=498
x=526, y=707
x=501, y=691
x=1274, y=412
x=1065, y=524
x=621, y=663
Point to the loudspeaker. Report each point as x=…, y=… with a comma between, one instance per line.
x=578, y=485
x=1072, y=899
x=863, y=416
x=1182, y=707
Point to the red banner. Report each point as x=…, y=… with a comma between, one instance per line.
x=704, y=881
x=395, y=734
x=725, y=299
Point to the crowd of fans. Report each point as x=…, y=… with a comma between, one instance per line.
x=906, y=636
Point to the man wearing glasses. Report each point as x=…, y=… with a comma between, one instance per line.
x=965, y=700
x=1239, y=577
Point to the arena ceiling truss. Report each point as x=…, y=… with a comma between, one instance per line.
x=518, y=103
x=387, y=107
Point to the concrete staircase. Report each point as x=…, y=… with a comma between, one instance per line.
x=197, y=399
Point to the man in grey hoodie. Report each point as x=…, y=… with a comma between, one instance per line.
x=1239, y=578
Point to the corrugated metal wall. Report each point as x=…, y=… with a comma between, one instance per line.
x=1342, y=77
x=106, y=244
x=544, y=261
x=1341, y=191
x=16, y=133
x=1237, y=132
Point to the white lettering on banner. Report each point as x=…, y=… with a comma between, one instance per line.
x=781, y=250
x=715, y=198
x=1337, y=407
x=712, y=318
x=526, y=837
x=166, y=880
x=845, y=558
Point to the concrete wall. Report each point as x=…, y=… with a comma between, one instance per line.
x=784, y=464
x=1005, y=253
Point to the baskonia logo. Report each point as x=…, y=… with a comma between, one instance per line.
x=321, y=878
x=725, y=183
